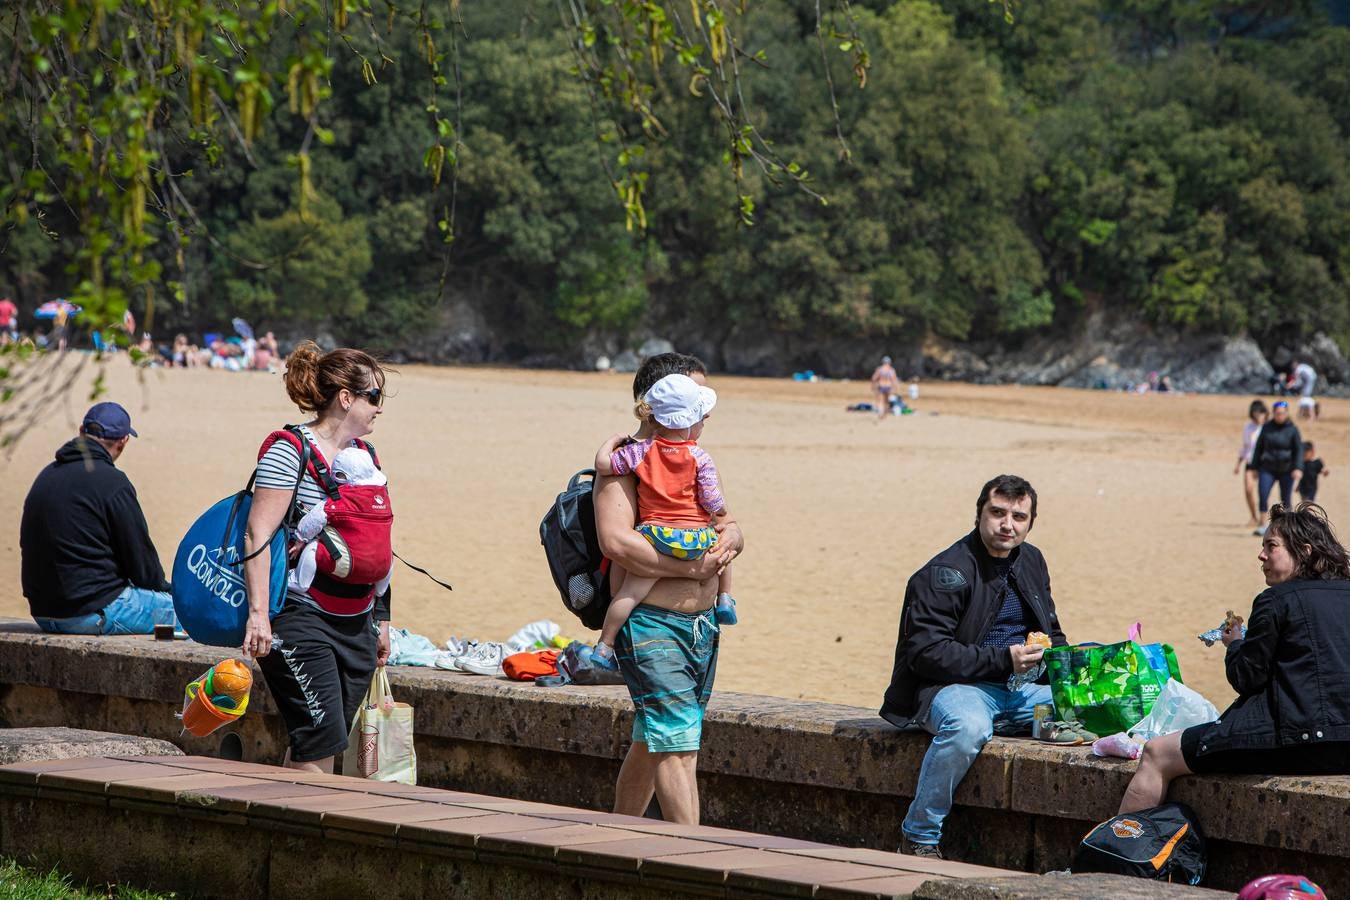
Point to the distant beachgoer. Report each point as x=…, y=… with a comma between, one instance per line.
x=60, y=327
x=1292, y=714
x=1304, y=382
x=1256, y=417
x=265, y=355
x=317, y=655
x=668, y=647
x=679, y=492
x=1313, y=469
x=913, y=388
x=9, y=320
x=884, y=382
x=89, y=565
x=1278, y=457
x=180, y=350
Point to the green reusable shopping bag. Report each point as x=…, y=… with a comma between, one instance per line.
x=1109, y=687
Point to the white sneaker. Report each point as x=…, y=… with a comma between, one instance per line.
x=484, y=659
x=456, y=647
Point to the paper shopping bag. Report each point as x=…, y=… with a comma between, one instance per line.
x=380, y=744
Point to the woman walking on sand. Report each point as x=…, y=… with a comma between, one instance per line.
x=1256, y=417
x=1278, y=457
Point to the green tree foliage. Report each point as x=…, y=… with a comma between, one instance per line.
x=311, y=264
x=712, y=172
x=1203, y=192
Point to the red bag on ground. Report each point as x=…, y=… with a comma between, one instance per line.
x=530, y=665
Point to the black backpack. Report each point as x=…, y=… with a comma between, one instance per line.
x=579, y=569
x=1163, y=843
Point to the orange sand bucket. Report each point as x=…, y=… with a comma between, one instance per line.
x=201, y=716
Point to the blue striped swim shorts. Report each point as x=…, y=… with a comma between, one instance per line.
x=668, y=660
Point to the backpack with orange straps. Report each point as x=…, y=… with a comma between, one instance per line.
x=1163, y=843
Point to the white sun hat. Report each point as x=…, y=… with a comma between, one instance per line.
x=353, y=465
x=678, y=402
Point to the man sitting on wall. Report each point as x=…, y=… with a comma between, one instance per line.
x=963, y=631
x=89, y=565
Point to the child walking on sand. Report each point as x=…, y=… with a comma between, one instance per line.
x=678, y=493
x=1313, y=469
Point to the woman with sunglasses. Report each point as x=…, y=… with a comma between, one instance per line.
x=317, y=656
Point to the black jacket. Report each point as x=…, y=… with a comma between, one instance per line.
x=83, y=537
x=1292, y=671
x=950, y=605
x=1279, y=448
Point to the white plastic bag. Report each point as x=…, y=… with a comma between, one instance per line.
x=380, y=745
x=1176, y=709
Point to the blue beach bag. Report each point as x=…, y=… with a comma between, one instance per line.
x=209, y=594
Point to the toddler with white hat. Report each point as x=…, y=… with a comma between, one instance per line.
x=678, y=493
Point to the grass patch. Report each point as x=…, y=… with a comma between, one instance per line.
x=19, y=882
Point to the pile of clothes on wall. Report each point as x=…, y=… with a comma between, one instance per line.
x=538, y=652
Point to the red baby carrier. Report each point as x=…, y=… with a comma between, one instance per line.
x=354, y=550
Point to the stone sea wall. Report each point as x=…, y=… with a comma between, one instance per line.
x=815, y=771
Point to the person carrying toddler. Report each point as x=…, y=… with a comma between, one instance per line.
x=678, y=493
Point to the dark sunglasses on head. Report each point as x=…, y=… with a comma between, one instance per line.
x=374, y=396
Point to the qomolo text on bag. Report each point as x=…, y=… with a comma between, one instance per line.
x=217, y=572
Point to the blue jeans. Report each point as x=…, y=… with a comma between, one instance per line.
x=134, y=611
x=1266, y=480
x=961, y=719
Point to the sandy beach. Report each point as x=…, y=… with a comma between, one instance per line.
x=1141, y=517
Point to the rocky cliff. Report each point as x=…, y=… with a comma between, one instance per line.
x=1101, y=352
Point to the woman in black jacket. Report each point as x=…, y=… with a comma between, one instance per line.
x=1278, y=457
x=1291, y=672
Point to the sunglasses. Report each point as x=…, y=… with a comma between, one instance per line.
x=374, y=396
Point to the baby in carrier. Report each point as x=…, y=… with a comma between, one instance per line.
x=347, y=556
x=678, y=493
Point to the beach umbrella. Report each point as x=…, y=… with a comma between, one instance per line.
x=52, y=308
x=242, y=328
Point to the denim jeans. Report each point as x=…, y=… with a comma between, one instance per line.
x=1267, y=480
x=134, y=611
x=961, y=719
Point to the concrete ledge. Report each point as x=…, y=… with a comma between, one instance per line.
x=21, y=744
x=807, y=770
x=419, y=831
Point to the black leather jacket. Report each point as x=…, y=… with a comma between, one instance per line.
x=950, y=605
x=1292, y=671
x=1279, y=448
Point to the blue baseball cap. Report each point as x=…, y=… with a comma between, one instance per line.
x=108, y=420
